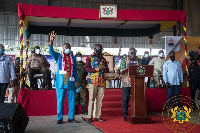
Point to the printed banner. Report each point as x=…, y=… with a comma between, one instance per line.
x=172, y=43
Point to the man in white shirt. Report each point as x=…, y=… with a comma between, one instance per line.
x=173, y=77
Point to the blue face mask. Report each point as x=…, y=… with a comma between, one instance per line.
x=79, y=58
x=67, y=51
x=1, y=51
x=146, y=55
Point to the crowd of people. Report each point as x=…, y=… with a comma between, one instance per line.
x=72, y=71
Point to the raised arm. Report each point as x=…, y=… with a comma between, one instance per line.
x=54, y=54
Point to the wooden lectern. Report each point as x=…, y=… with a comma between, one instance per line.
x=138, y=103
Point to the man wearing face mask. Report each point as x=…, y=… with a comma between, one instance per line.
x=38, y=64
x=7, y=73
x=96, y=66
x=66, y=76
x=126, y=80
x=146, y=59
x=194, y=77
x=82, y=80
x=173, y=77
x=158, y=66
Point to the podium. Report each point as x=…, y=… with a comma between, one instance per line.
x=138, y=103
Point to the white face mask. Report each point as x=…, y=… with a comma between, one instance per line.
x=79, y=58
x=67, y=51
x=161, y=55
x=146, y=55
x=37, y=51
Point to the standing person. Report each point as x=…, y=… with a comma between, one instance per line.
x=96, y=66
x=13, y=91
x=194, y=78
x=7, y=73
x=66, y=76
x=158, y=66
x=146, y=59
x=82, y=80
x=126, y=81
x=37, y=63
x=173, y=77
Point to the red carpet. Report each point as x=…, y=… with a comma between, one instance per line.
x=40, y=103
x=155, y=100
x=118, y=125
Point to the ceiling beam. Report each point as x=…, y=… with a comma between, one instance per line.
x=68, y=23
x=121, y=24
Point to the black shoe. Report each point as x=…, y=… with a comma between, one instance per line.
x=59, y=121
x=124, y=118
x=99, y=119
x=89, y=120
x=84, y=112
x=72, y=120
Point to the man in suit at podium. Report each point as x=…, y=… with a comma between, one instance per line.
x=126, y=81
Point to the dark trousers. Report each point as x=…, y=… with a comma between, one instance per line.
x=173, y=89
x=46, y=77
x=193, y=88
x=126, y=92
x=3, y=87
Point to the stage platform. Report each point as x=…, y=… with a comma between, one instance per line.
x=43, y=102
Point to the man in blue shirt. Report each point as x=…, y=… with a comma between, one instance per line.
x=7, y=72
x=173, y=77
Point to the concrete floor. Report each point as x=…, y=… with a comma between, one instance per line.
x=47, y=124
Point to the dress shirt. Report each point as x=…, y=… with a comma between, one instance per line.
x=7, y=70
x=172, y=72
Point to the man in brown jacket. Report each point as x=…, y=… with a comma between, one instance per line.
x=38, y=64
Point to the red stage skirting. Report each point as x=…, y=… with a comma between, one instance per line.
x=40, y=103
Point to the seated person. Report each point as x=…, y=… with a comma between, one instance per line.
x=38, y=64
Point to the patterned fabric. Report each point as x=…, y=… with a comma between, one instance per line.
x=126, y=80
x=37, y=61
x=82, y=96
x=95, y=77
x=82, y=80
x=7, y=70
x=81, y=72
